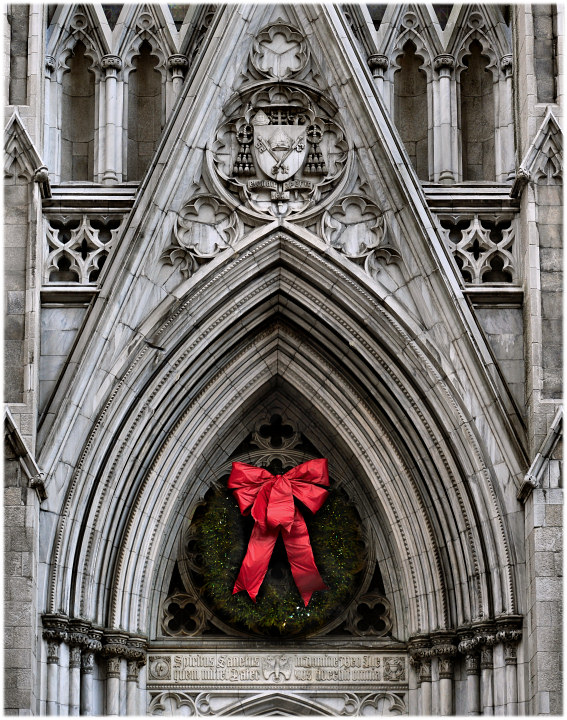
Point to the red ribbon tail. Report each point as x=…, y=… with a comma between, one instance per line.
x=255, y=564
x=301, y=560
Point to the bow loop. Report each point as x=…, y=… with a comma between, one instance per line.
x=270, y=498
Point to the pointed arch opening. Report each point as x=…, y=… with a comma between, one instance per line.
x=410, y=108
x=144, y=110
x=477, y=116
x=78, y=117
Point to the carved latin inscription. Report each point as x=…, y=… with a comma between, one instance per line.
x=278, y=668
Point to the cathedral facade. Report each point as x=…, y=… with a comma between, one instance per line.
x=269, y=239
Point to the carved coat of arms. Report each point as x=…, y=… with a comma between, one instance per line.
x=282, y=154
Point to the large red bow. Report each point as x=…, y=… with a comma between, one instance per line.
x=271, y=499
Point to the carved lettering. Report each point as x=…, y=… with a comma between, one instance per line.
x=281, y=668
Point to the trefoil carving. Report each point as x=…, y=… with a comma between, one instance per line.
x=356, y=228
x=204, y=228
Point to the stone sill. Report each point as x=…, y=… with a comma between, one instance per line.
x=501, y=296
x=68, y=294
x=90, y=198
x=471, y=197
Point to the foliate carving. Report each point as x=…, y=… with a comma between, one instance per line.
x=510, y=639
x=75, y=657
x=355, y=227
x=445, y=653
x=111, y=62
x=444, y=62
x=178, y=64
x=183, y=614
x=378, y=64
x=114, y=645
x=53, y=651
x=280, y=153
x=469, y=647
x=87, y=662
x=420, y=654
x=279, y=51
x=472, y=663
x=132, y=671
x=425, y=669
x=113, y=667
x=204, y=228
x=54, y=632
x=482, y=247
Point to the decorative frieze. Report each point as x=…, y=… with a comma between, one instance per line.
x=263, y=667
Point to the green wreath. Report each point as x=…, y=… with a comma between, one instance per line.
x=220, y=537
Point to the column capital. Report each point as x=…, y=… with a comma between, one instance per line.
x=87, y=661
x=378, y=64
x=111, y=64
x=113, y=666
x=54, y=627
x=75, y=657
x=178, y=64
x=445, y=61
x=114, y=644
x=49, y=64
x=507, y=65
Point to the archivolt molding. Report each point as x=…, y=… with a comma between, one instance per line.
x=133, y=383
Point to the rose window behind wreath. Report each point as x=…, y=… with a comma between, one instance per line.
x=201, y=599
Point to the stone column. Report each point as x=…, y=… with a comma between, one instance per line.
x=51, y=135
x=74, y=680
x=177, y=65
x=486, y=669
x=444, y=170
x=113, y=685
x=92, y=646
x=54, y=632
x=136, y=657
x=111, y=64
x=469, y=648
x=445, y=653
x=425, y=680
x=77, y=638
x=52, y=707
x=87, y=666
x=133, y=671
x=510, y=639
x=378, y=64
x=420, y=653
x=507, y=161
x=114, y=649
